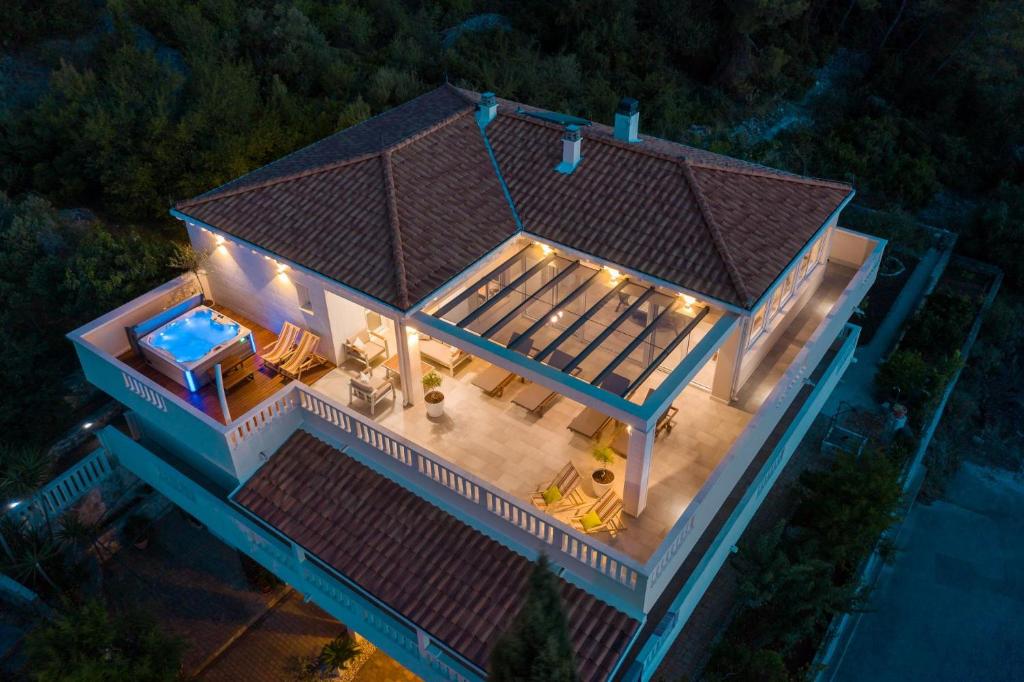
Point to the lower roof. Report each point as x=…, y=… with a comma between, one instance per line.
x=452, y=581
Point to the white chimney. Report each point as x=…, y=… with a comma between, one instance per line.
x=627, y=120
x=487, y=109
x=571, y=142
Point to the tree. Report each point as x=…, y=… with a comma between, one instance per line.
x=91, y=644
x=536, y=646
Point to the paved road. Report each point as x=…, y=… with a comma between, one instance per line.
x=951, y=606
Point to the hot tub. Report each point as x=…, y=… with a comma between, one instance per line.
x=187, y=347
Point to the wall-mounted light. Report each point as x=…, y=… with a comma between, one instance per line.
x=412, y=333
x=545, y=249
x=614, y=274
x=86, y=426
x=12, y=505
x=218, y=240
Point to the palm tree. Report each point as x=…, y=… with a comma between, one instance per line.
x=23, y=471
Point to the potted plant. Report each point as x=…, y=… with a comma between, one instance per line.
x=603, y=476
x=138, y=530
x=433, y=397
x=337, y=654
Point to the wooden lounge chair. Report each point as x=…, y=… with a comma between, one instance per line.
x=536, y=398
x=284, y=346
x=303, y=358
x=608, y=511
x=567, y=481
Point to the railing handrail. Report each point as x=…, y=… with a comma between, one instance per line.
x=614, y=553
x=773, y=406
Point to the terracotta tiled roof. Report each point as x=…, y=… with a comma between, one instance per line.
x=720, y=226
x=450, y=580
x=394, y=207
x=434, y=203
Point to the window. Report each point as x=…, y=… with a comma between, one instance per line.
x=787, y=286
x=804, y=265
x=302, y=293
x=776, y=301
x=757, y=326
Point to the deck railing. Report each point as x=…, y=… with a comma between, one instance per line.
x=57, y=496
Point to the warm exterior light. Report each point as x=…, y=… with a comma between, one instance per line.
x=545, y=249
x=554, y=318
x=87, y=425
x=688, y=300
x=412, y=333
x=614, y=274
x=219, y=240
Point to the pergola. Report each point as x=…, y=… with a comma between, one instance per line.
x=585, y=331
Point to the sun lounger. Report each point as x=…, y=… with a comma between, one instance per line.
x=567, y=485
x=283, y=347
x=603, y=515
x=303, y=358
x=589, y=422
x=493, y=380
x=537, y=398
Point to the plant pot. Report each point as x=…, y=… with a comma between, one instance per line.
x=602, y=480
x=435, y=404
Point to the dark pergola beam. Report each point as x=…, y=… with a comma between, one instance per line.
x=668, y=349
x=510, y=315
x=630, y=347
x=569, y=298
x=582, y=355
x=497, y=298
x=580, y=321
x=470, y=290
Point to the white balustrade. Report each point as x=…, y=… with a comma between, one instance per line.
x=561, y=540
x=65, y=490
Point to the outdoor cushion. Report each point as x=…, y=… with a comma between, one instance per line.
x=590, y=520
x=552, y=494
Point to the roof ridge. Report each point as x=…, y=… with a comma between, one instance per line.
x=396, y=232
x=327, y=167
x=747, y=167
x=716, y=233
x=783, y=175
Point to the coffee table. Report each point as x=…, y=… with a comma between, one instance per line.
x=392, y=369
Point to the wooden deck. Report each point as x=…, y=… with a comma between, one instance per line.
x=244, y=396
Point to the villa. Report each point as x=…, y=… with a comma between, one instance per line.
x=573, y=285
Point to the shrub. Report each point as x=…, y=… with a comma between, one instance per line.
x=88, y=642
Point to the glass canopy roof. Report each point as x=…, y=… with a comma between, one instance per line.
x=578, y=318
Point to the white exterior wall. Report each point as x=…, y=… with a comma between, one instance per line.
x=248, y=282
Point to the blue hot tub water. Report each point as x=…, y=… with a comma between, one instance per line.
x=190, y=338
